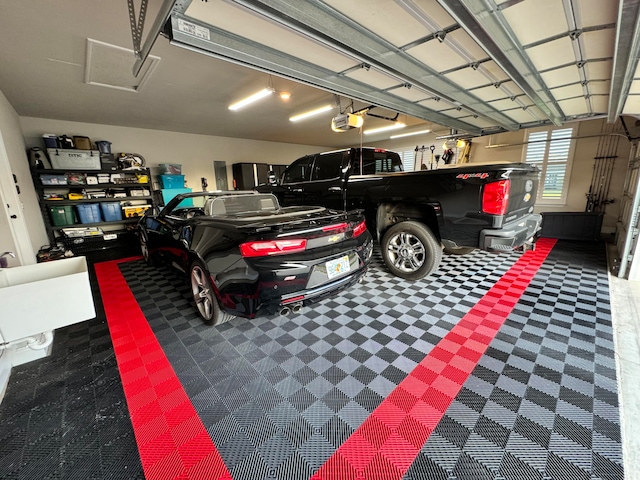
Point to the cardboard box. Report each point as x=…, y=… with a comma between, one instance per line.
x=135, y=210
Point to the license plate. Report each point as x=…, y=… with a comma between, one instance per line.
x=338, y=266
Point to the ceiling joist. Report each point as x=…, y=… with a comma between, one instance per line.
x=625, y=60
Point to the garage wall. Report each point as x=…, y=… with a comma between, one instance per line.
x=581, y=169
x=27, y=227
x=196, y=153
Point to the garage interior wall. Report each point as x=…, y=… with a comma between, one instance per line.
x=196, y=153
x=29, y=220
x=581, y=167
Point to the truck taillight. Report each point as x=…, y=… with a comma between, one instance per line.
x=272, y=247
x=359, y=229
x=495, y=197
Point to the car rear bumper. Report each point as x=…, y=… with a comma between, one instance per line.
x=512, y=235
x=328, y=289
x=292, y=282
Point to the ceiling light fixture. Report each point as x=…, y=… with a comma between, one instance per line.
x=285, y=95
x=265, y=92
x=395, y=126
x=311, y=113
x=419, y=132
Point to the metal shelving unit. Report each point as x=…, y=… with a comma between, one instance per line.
x=115, y=231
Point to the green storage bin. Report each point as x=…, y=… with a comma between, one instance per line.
x=62, y=215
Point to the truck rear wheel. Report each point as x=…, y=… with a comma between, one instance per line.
x=410, y=250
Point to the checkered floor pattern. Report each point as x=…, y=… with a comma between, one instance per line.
x=279, y=396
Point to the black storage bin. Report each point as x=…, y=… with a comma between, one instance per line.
x=572, y=225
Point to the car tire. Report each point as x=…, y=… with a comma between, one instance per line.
x=204, y=296
x=144, y=248
x=410, y=250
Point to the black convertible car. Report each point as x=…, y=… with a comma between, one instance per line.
x=245, y=255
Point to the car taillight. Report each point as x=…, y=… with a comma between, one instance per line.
x=359, y=229
x=272, y=247
x=340, y=227
x=495, y=197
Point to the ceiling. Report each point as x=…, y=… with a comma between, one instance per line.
x=454, y=66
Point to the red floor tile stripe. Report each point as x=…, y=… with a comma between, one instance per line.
x=389, y=440
x=171, y=438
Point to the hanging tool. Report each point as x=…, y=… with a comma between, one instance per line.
x=431, y=165
x=422, y=166
x=597, y=196
x=447, y=156
x=415, y=158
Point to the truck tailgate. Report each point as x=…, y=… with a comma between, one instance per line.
x=524, y=185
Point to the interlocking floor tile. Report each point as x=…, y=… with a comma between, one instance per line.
x=280, y=396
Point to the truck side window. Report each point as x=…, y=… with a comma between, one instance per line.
x=327, y=166
x=368, y=163
x=298, y=171
x=387, y=162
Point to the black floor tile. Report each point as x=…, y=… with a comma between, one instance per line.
x=279, y=395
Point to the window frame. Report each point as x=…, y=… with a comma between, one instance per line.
x=319, y=158
x=309, y=159
x=562, y=200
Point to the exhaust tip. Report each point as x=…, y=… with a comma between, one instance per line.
x=284, y=311
x=297, y=308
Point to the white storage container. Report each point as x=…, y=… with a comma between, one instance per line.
x=67, y=159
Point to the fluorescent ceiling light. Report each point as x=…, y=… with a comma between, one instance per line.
x=419, y=132
x=311, y=113
x=265, y=92
x=395, y=126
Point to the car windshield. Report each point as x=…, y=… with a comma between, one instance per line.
x=238, y=204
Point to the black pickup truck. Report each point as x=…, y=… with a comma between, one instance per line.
x=415, y=215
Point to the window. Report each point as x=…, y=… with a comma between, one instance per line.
x=408, y=156
x=551, y=151
x=298, y=171
x=380, y=161
x=327, y=166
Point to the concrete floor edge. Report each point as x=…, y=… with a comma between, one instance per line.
x=625, y=316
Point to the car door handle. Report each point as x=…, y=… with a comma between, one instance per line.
x=296, y=190
x=334, y=189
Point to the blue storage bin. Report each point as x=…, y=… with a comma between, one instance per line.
x=168, y=194
x=89, y=212
x=111, y=211
x=172, y=181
